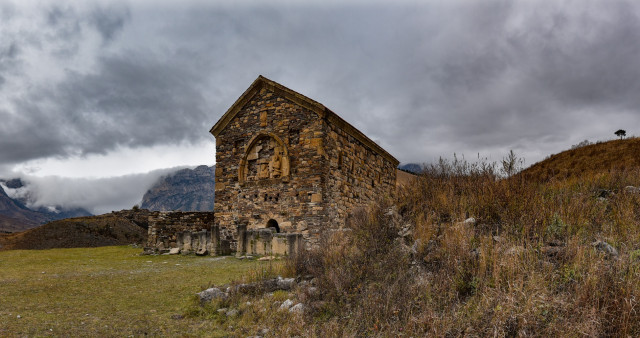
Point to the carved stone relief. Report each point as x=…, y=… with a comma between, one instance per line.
x=266, y=158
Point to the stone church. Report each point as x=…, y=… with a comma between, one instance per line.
x=286, y=161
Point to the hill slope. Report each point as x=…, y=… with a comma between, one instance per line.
x=587, y=160
x=185, y=190
x=118, y=228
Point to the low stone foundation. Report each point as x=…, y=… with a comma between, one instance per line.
x=186, y=231
x=195, y=233
x=268, y=242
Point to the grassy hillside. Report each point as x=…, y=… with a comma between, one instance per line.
x=107, y=292
x=94, y=231
x=616, y=155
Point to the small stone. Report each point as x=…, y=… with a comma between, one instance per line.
x=18, y=316
x=211, y=294
x=470, y=221
x=297, y=309
x=266, y=258
x=232, y=313
x=606, y=248
x=286, y=304
x=223, y=310
x=285, y=283
x=174, y=251
x=177, y=316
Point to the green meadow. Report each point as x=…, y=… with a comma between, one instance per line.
x=108, y=291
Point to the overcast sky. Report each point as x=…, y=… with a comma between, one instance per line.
x=107, y=88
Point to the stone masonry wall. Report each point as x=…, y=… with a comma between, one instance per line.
x=269, y=165
x=357, y=175
x=170, y=229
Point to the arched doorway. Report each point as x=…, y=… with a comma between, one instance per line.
x=272, y=223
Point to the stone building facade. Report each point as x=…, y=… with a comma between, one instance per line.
x=286, y=161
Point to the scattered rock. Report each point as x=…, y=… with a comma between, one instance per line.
x=498, y=239
x=177, y=317
x=211, y=294
x=202, y=252
x=285, y=283
x=312, y=291
x=232, y=313
x=470, y=221
x=297, y=309
x=223, y=310
x=606, y=248
x=631, y=190
x=264, y=331
x=174, y=251
x=266, y=258
x=286, y=304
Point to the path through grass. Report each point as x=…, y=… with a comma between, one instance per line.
x=107, y=291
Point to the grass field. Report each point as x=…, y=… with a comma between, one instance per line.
x=107, y=291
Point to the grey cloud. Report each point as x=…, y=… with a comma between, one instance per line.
x=110, y=21
x=426, y=80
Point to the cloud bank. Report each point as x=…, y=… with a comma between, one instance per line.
x=98, y=196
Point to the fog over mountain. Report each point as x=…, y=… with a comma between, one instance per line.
x=98, y=196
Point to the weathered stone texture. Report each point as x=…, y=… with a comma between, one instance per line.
x=185, y=230
x=284, y=157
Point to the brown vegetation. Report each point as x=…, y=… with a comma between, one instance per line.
x=617, y=155
x=526, y=264
x=94, y=231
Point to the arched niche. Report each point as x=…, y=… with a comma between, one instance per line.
x=266, y=157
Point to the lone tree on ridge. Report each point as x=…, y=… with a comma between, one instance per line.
x=621, y=133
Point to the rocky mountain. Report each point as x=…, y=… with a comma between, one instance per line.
x=16, y=216
x=413, y=168
x=184, y=190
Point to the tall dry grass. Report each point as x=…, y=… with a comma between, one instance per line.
x=524, y=267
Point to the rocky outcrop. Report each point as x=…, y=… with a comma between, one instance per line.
x=184, y=190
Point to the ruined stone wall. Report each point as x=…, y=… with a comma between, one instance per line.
x=269, y=164
x=357, y=174
x=166, y=229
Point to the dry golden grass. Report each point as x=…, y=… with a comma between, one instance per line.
x=616, y=155
x=526, y=267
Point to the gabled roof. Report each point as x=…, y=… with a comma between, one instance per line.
x=314, y=106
